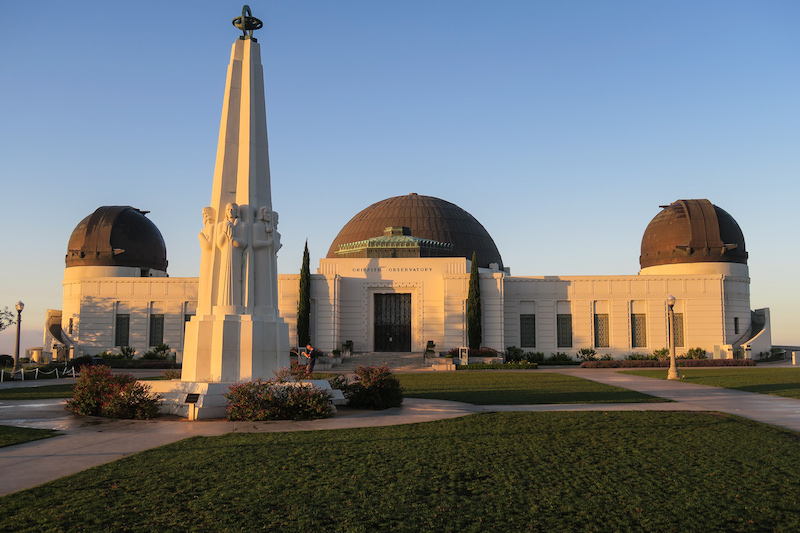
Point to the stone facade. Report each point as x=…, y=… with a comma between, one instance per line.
x=596, y=311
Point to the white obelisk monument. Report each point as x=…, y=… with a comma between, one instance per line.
x=237, y=333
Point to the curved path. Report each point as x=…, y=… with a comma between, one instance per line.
x=88, y=442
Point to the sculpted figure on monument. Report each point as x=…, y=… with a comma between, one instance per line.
x=263, y=250
x=276, y=237
x=206, y=238
x=231, y=241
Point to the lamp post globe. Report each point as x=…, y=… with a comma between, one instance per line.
x=673, y=367
x=19, y=306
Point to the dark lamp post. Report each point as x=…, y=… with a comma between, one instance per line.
x=673, y=367
x=20, y=306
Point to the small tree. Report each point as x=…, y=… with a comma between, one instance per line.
x=304, y=305
x=6, y=318
x=474, y=306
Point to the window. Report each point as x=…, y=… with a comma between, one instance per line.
x=564, y=330
x=638, y=330
x=156, y=330
x=736, y=325
x=527, y=331
x=601, y=336
x=122, y=332
x=677, y=325
x=70, y=326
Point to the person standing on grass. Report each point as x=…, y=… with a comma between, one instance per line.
x=311, y=353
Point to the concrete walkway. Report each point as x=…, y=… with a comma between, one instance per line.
x=781, y=412
x=86, y=441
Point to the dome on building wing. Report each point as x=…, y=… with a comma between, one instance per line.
x=692, y=231
x=117, y=236
x=448, y=230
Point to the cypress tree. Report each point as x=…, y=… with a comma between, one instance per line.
x=304, y=305
x=474, y=306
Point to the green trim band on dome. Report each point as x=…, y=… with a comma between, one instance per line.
x=394, y=245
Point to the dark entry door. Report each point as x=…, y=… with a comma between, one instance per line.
x=392, y=322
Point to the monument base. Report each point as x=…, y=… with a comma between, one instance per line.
x=206, y=400
x=192, y=399
x=229, y=347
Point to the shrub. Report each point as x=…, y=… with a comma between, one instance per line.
x=775, y=354
x=662, y=354
x=374, y=388
x=587, y=354
x=80, y=361
x=276, y=400
x=158, y=353
x=294, y=372
x=534, y=357
x=694, y=353
x=338, y=381
x=172, y=373
x=6, y=360
x=98, y=392
x=514, y=354
x=126, y=352
x=107, y=355
x=559, y=357
x=640, y=357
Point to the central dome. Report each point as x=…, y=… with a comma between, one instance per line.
x=426, y=217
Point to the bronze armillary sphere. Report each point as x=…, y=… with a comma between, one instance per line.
x=247, y=23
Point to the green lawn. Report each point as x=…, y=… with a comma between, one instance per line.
x=37, y=393
x=584, y=471
x=12, y=435
x=778, y=381
x=514, y=388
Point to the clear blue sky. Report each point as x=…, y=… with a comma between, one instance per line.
x=561, y=126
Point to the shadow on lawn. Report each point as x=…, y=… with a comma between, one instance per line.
x=771, y=388
x=528, y=397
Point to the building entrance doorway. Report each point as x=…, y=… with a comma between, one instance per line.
x=392, y=322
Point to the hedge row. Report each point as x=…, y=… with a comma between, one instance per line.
x=520, y=365
x=665, y=363
x=140, y=363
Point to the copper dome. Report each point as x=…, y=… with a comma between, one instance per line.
x=427, y=217
x=117, y=236
x=692, y=231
